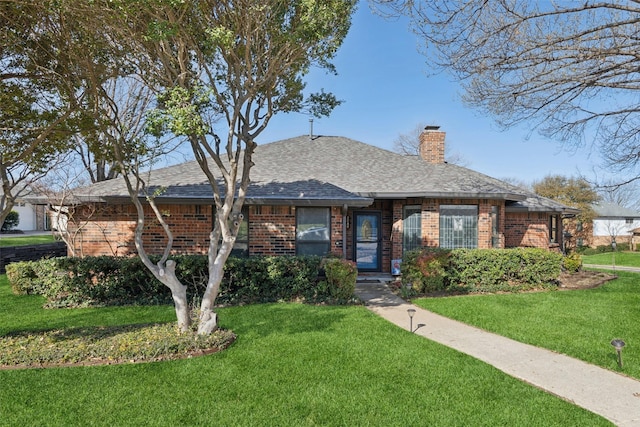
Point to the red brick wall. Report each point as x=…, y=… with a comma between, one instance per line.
x=272, y=229
x=528, y=230
x=431, y=220
x=432, y=145
x=109, y=230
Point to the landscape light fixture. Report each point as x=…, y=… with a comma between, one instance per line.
x=411, y=312
x=618, y=345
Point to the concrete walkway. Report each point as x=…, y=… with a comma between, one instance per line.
x=612, y=267
x=613, y=396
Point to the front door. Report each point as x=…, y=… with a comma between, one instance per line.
x=367, y=241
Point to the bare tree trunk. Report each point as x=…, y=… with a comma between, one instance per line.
x=208, y=318
x=178, y=293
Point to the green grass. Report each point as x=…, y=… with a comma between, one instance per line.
x=578, y=323
x=13, y=240
x=627, y=259
x=292, y=364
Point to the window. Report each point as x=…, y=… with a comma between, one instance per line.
x=553, y=228
x=628, y=220
x=495, y=226
x=313, y=226
x=458, y=226
x=411, y=228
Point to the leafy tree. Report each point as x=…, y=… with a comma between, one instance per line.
x=221, y=70
x=11, y=221
x=569, y=69
x=574, y=192
x=47, y=63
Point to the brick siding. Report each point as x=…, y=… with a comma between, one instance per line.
x=528, y=230
x=109, y=230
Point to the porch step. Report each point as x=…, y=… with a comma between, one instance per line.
x=378, y=278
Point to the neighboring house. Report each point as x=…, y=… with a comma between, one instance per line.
x=613, y=223
x=320, y=195
x=32, y=217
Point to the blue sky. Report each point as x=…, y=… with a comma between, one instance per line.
x=382, y=77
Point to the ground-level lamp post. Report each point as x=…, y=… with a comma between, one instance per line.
x=411, y=312
x=618, y=345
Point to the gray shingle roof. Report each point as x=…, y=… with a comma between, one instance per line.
x=333, y=169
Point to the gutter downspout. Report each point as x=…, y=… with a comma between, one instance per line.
x=345, y=210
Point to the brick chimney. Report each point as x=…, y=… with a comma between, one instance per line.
x=432, y=145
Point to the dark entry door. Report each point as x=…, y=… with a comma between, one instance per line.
x=368, y=241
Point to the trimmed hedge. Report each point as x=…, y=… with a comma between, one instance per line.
x=102, y=281
x=342, y=276
x=600, y=249
x=481, y=270
x=425, y=269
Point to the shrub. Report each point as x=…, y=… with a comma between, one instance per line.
x=100, y=281
x=11, y=221
x=425, y=269
x=497, y=270
x=22, y=278
x=341, y=279
x=622, y=247
x=572, y=262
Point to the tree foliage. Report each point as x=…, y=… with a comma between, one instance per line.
x=219, y=71
x=48, y=60
x=208, y=73
x=573, y=192
x=569, y=69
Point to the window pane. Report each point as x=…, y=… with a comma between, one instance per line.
x=458, y=226
x=312, y=248
x=553, y=228
x=412, y=228
x=313, y=231
x=312, y=224
x=495, y=226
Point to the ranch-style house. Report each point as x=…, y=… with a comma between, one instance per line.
x=328, y=194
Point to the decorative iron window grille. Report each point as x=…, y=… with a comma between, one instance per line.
x=411, y=228
x=458, y=226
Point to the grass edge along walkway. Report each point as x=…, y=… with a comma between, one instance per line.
x=606, y=393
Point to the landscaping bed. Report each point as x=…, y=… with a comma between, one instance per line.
x=584, y=279
x=102, y=345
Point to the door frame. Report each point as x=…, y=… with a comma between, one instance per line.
x=378, y=216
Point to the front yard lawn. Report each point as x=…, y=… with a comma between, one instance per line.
x=18, y=240
x=627, y=259
x=578, y=323
x=292, y=364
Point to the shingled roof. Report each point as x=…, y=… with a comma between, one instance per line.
x=331, y=170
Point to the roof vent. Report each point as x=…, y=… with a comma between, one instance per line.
x=310, y=128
